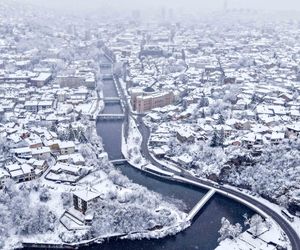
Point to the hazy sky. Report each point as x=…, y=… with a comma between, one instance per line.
x=192, y=4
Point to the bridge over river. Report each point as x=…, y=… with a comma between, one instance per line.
x=112, y=100
x=111, y=116
x=196, y=209
x=214, y=204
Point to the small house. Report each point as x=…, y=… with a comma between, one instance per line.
x=66, y=147
x=84, y=199
x=41, y=153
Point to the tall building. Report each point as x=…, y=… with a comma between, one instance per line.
x=144, y=101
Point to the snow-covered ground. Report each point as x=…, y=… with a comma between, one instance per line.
x=160, y=233
x=55, y=204
x=106, y=182
x=275, y=233
x=168, y=165
x=123, y=86
x=275, y=207
x=132, y=149
x=247, y=242
x=136, y=159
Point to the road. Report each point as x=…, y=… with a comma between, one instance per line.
x=145, y=131
x=286, y=227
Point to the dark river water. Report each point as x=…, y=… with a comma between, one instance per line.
x=109, y=90
x=203, y=234
x=111, y=108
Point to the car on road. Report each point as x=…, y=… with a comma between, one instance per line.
x=216, y=185
x=287, y=215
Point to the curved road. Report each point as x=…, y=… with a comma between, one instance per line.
x=286, y=227
x=145, y=131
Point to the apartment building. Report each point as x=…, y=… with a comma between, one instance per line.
x=144, y=103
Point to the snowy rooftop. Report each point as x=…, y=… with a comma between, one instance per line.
x=87, y=195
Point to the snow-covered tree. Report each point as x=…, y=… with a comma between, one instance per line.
x=203, y=102
x=228, y=230
x=221, y=137
x=256, y=223
x=44, y=195
x=202, y=114
x=66, y=199
x=71, y=134
x=276, y=162
x=215, y=139
x=21, y=213
x=221, y=120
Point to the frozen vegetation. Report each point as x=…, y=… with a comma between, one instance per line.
x=257, y=236
x=220, y=98
x=26, y=210
x=132, y=147
x=31, y=211
x=273, y=174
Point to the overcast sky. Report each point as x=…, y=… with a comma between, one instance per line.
x=192, y=4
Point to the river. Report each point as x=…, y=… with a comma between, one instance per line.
x=203, y=234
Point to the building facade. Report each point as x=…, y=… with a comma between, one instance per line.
x=144, y=103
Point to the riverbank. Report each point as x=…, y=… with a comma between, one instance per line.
x=131, y=146
x=198, y=241
x=278, y=234
x=114, y=185
x=77, y=245
x=274, y=229
x=181, y=224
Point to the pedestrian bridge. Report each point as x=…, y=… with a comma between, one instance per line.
x=200, y=204
x=111, y=116
x=105, y=65
x=112, y=100
x=107, y=77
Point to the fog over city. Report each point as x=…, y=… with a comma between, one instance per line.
x=187, y=4
x=158, y=124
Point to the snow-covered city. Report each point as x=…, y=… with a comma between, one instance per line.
x=141, y=125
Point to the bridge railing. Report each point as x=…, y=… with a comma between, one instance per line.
x=119, y=161
x=232, y=196
x=200, y=204
x=111, y=116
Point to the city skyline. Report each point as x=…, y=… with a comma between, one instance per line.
x=188, y=4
